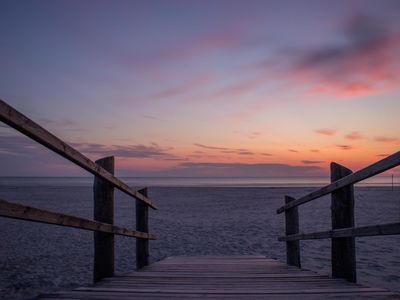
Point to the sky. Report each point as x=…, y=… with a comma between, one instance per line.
x=202, y=88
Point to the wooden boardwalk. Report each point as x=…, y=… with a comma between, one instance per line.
x=223, y=277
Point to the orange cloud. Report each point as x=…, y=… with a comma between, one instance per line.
x=387, y=140
x=328, y=132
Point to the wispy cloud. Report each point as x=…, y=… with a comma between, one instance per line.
x=127, y=151
x=387, y=140
x=364, y=61
x=211, y=147
x=254, y=135
x=314, y=150
x=150, y=117
x=355, y=135
x=266, y=154
x=312, y=162
x=293, y=151
x=345, y=147
x=186, y=48
x=185, y=88
x=325, y=131
x=238, y=151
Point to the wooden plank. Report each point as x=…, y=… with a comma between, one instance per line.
x=28, y=213
x=292, y=227
x=343, y=250
x=374, y=169
x=384, y=229
x=142, y=224
x=264, y=291
x=172, y=296
x=103, y=194
x=205, y=285
x=23, y=124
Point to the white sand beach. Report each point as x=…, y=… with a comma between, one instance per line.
x=37, y=258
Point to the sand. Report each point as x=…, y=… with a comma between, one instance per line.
x=36, y=258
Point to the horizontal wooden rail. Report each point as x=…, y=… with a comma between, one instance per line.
x=384, y=229
x=23, y=212
x=374, y=169
x=23, y=124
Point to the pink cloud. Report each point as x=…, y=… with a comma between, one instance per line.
x=365, y=62
x=355, y=135
x=293, y=151
x=328, y=132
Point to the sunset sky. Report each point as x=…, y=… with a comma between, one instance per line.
x=202, y=88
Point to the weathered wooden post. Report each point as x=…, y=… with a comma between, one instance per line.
x=142, y=224
x=103, y=212
x=342, y=207
x=292, y=227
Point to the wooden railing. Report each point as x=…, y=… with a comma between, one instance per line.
x=343, y=233
x=103, y=188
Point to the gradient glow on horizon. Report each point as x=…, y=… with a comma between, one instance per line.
x=202, y=88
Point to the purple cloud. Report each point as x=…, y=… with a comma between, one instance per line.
x=127, y=151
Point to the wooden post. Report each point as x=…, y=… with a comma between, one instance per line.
x=292, y=227
x=142, y=224
x=103, y=212
x=342, y=208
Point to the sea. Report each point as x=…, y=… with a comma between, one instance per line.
x=386, y=180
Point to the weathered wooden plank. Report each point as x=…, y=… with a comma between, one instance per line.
x=153, y=296
x=28, y=213
x=23, y=124
x=232, y=285
x=384, y=229
x=292, y=227
x=103, y=193
x=142, y=224
x=343, y=250
x=266, y=290
x=374, y=169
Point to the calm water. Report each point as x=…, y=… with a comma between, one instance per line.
x=195, y=181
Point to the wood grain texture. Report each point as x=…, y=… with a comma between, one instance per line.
x=225, y=277
x=374, y=169
x=28, y=213
x=23, y=124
